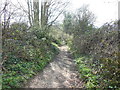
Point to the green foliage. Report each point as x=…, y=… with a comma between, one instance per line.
x=102, y=46
x=18, y=72
x=86, y=73
x=19, y=26
x=60, y=37
x=26, y=52
x=68, y=24
x=0, y=81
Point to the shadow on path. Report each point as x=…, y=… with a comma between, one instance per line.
x=61, y=73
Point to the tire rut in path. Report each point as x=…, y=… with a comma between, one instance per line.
x=61, y=73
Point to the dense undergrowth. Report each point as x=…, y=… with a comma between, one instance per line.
x=97, y=57
x=18, y=71
x=96, y=50
x=86, y=72
x=0, y=82
x=26, y=52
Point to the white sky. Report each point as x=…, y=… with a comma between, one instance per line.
x=104, y=10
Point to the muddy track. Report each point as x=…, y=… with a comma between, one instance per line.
x=61, y=73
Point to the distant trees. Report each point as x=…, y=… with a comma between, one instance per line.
x=79, y=25
x=81, y=22
x=68, y=23
x=84, y=20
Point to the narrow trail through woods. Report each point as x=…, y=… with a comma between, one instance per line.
x=61, y=73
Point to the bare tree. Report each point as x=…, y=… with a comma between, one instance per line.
x=36, y=12
x=51, y=10
x=30, y=13
x=45, y=13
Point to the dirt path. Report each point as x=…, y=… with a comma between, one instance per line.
x=61, y=73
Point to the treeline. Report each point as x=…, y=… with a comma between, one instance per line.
x=96, y=50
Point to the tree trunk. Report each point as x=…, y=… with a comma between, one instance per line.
x=36, y=12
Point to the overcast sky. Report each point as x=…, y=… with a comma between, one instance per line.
x=104, y=10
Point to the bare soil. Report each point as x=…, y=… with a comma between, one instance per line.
x=61, y=73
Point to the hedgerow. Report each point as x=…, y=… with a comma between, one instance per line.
x=103, y=47
x=25, y=53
